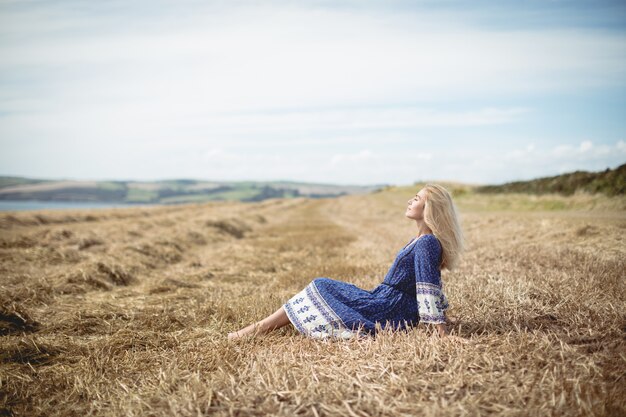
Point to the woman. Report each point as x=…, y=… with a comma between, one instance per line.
x=411, y=292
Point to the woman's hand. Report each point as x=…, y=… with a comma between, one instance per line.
x=441, y=329
x=441, y=332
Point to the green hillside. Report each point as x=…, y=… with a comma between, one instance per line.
x=611, y=182
x=12, y=181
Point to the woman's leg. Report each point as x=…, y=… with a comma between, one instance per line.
x=274, y=321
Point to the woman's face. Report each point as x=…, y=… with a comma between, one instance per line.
x=415, y=209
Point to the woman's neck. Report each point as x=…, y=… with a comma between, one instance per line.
x=422, y=229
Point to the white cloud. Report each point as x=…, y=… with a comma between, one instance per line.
x=355, y=119
x=563, y=150
x=361, y=156
x=215, y=155
x=586, y=149
x=268, y=57
x=151, y=127
x=537, y=162
x=188, y=93
x=585, y=146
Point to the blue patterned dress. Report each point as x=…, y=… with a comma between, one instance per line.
x=411, y=292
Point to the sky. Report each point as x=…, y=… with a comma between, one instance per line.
x=342, y=92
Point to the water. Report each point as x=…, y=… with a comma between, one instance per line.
x=11, y=205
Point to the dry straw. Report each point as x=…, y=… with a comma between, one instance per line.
x=125, y=311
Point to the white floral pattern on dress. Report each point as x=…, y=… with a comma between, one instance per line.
x=431, y=303
x=312, y=316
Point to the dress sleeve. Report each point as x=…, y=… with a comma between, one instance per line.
x=431, y=301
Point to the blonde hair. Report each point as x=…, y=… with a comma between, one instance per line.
x=440, y=215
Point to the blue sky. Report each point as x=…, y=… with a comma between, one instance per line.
x=356, y=92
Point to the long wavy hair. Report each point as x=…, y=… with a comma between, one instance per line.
x=441, y=216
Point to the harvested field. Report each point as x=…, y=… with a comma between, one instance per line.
x=125, y=311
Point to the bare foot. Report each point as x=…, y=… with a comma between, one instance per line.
x=234, y=335
x=250, y=330
x=240, y=334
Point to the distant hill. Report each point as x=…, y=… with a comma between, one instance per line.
x=167, y=192
x=611, y=182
